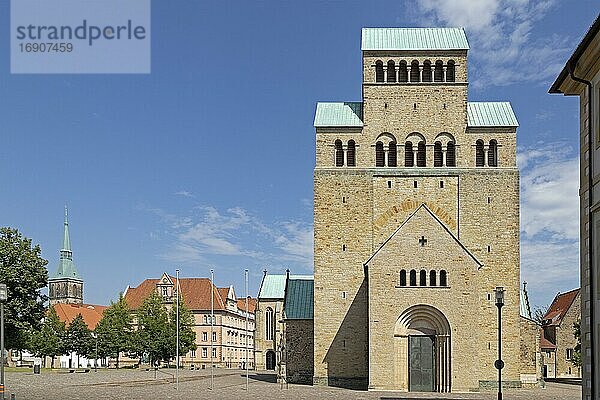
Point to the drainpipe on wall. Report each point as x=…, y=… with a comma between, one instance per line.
x=571, y=67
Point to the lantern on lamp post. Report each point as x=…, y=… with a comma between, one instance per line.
x=499, y=364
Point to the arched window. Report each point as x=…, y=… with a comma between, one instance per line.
x=379, y=71
x=379, y=155
x=438, y=73
x=269, y=324
x=403, y=277
x=450, y=71
x=391, y=71
x=432, y=278
x=402, y=72
x=415, y=75
x=427, y=71
x=409, y=160
x=450, y=155
x=413, y=277
x=339, y=154
x=393, y=155
x=351, y=153
x=423, y=278
x=443, y=278
x=493, y=154
x=438, y=157
x=479, y=154
x=421, y=155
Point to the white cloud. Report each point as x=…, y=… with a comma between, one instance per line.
x=503, y=38
x=184, y=193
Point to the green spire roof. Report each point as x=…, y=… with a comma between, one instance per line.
x=66, y=266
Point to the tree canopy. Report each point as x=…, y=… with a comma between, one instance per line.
x=79, y=338
x=23, y=271
x=187, y=336
x=152, y=337
x=114, y=331
x=49, y=341
x=577, y=351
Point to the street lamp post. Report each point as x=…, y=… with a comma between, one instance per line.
x=95, y=336
x=3, y=297
x=499, y=364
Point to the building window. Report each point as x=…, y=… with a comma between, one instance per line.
x=493, y=154
x=479, y=154
x=450, y=155
x=403, y=277
x=408, y=155
x=427, y=71
x=391, y=72
x=165, y=291
x=421, y=156
x=204, y=336
x=204, y=352
x=351, y=153
x=443, y=278
x=393, y=155
x=214, y=336
x=438, y=157
x=402, y=72
x=450, y=71
x=413, y=277
x=214, y=352
x=569, y=354
x=379, y=155
x=438, y=73
x=339, y=154
x=423, y=278
x=269, y=324
x=432, y=278
x=379, y=71
x=193, y=353
x=415, y=74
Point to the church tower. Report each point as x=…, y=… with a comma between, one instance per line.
x=416, y=222
x=66, y=286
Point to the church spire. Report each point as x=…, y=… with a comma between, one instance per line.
x=66, y=267
x=66, y=249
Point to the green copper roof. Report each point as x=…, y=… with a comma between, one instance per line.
x=273, y=286
x=339, y=114
x=299, y=299
x=66, y=266
x=488, y=113
x=414, y=39
x=524, y=310
x=479, y=114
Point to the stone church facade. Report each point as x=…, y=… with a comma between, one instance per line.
x=416, y=217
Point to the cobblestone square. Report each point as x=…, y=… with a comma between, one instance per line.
x=228, y=384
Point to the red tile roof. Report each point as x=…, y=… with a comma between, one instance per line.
x=241, y=303
x=559, y=307
x=91, y=313
x=196, y=293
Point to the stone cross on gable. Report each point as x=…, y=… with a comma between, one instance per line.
x=422, y=241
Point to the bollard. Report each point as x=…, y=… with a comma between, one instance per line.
x=13, y=396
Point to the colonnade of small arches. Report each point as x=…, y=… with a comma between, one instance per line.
x=415, y=72
x=486, y=155
x=423, y=278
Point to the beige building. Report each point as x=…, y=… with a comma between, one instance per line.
x=581, y=77
x=557, y=339
x=226, y=343
x=416, y=217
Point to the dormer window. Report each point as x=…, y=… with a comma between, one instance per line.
x=165, y=291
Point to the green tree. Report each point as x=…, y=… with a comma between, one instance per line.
x=79, y=338
x=153, y=336
x=49, y=341
x=23, y=271
x=576, y=360
x=114, y=330
x=187, y=336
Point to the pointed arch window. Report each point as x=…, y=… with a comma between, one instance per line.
x=438, y=73
x=269, y=324
x=391, y=71
x=339, y=154
x=493, y=154
x=351, y=153
x=403, y=277
x=402, y=72
x=379, y=155
x=423, y=278
x=450, y=155
x=432, y=278
x=413, y=277
x=438, y=157
x=379, y=76
x=427, y=75
x=421, y=155
x=415, y=74
x=479, y=154
x=409, y=160
x=393, y=155
x=443, y=278
x=450, y=71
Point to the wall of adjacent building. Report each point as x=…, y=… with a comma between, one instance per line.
x=299, y=346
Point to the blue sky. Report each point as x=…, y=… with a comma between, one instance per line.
x=207, y=161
